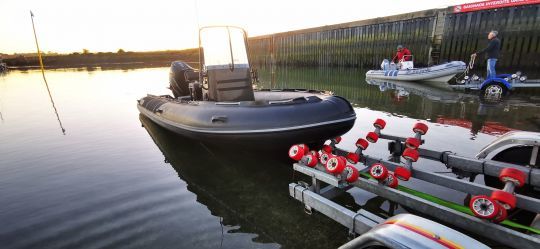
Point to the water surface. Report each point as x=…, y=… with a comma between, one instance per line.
x=118, y=180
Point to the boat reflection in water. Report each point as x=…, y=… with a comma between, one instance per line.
x=437, y=93
x=486, y=118
x=248, y=191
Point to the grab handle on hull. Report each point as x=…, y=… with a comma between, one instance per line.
x=219, y=119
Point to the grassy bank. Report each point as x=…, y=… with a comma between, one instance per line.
x=102, y=59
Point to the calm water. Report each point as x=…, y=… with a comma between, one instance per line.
x=117, y=180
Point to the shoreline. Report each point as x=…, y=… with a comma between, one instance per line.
x=74, y=60
x=120, y=65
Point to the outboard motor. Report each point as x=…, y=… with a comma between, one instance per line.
x=385, y=65
x=180, y=76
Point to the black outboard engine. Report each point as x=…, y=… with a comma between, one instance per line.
x=180, y=76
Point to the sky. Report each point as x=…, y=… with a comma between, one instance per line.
x=67, y=26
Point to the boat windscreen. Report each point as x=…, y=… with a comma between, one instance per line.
x=224, y=47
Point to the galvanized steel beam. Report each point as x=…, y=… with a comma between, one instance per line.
x=523, y=202
x=484, y=228
x=363, y=220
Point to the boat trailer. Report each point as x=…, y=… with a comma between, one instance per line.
x=485, y=217
x=497, y=86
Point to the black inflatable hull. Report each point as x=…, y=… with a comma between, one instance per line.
x=304, y=118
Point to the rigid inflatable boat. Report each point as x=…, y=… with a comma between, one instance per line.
x=218, y=104
x=405, y=71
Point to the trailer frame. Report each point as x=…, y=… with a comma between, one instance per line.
x=316, y=198
x=313, y=197
x=505, y=79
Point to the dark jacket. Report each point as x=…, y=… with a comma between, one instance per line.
x=492, y=49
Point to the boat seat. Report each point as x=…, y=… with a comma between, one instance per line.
x=227, y=85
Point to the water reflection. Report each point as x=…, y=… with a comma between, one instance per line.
x=2, y=90
x=249, y=192
x=488, y=111
x=416, y=100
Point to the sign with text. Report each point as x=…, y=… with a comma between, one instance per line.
x=493, y=4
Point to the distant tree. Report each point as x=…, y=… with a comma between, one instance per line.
x=85, y=51
x=121, y=51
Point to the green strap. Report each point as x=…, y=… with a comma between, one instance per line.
x=457, y=207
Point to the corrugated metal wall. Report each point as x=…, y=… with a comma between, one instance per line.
x=519, y=31
x=353, y=46
x=367, y=45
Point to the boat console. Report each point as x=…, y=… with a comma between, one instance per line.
x=225, y=70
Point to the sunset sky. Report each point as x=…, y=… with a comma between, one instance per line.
x=106, y=25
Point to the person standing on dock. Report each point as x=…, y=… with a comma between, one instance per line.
x=402, y=54
x=492, y=50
